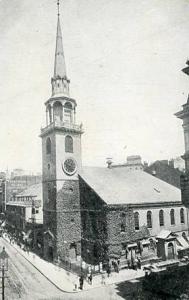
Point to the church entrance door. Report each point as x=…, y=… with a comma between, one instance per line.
x=170, y=251
x=50, y=253
x=72, y=252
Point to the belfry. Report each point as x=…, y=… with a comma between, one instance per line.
x=61, y=161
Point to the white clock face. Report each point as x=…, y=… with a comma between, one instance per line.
x=69, y=166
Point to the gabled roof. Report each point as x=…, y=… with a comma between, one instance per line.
x=182, y=242
x=123, y=186
x=34, y=190
x=164, y=234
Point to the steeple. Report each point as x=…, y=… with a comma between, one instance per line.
x=60, y=82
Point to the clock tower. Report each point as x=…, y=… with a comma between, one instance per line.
x=61, y=161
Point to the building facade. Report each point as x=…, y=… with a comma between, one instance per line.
x=24, y=216
x=165, y=170
x=123, y=210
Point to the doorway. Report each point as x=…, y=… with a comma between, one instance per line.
x=171, y=254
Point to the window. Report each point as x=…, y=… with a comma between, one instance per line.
x=149, y=219
x=136, y=220
x=68, y=105
x=161, y=217
x=123, y=221
x=37, y=211
x=122, y=227
x=48, y=145
x=49, y=192
x=68, y=112
x=68, y=144
x=58, y=111
x=172, y=217
x=182, y=216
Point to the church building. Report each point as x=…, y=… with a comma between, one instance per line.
x=96, y=213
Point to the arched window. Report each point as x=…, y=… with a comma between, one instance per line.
x=136, y=220
x=149, y=219
x=161, y=217
x=58, y=111
x=182, y=216
x=68, y=112
x=49, y=111
x=68, y=144
x=123, y=221
x=123, y=227
x=172, y=216
x=48, y=145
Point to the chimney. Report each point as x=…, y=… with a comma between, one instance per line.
x=109, y=162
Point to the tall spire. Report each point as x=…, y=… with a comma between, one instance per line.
x=60, y=82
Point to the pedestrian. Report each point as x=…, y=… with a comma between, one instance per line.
x=75, y=286
x=90, y=278
x=134, y=264
x=108, y=270
x=138, y=263
x=116, y=267
x=128, y=263
x=103, y=279
x=81, y=279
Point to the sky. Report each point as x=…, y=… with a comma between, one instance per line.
x=124, y=59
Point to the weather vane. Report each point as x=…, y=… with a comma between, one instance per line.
x=58, y=5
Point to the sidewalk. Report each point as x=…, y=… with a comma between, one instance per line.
x=65, y=281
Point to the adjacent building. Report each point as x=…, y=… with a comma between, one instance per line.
x=24, y=212
x=166, y=171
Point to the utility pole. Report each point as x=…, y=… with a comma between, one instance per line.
x=33, y=223
x=3, y=267
x=3, y=283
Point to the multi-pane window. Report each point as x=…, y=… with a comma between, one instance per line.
x=136, y=220
x=68, y=144
x=48, y=145
x=161, y=217
x=149, y=219
x=182, y=216
x=172, y=216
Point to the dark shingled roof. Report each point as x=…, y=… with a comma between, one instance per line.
x=123, y=186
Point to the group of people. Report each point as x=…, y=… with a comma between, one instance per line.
x=89, y=279
x=134, y=263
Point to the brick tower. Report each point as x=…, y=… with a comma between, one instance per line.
x=61, y=161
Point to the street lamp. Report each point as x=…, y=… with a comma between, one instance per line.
x=3, y=267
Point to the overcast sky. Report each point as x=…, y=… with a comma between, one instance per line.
x=124, y=59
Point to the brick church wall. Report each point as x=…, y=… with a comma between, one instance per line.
x=102, y=226
x=93, y=225
x=68, y=219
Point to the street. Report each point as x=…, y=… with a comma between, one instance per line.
x=26, y=282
